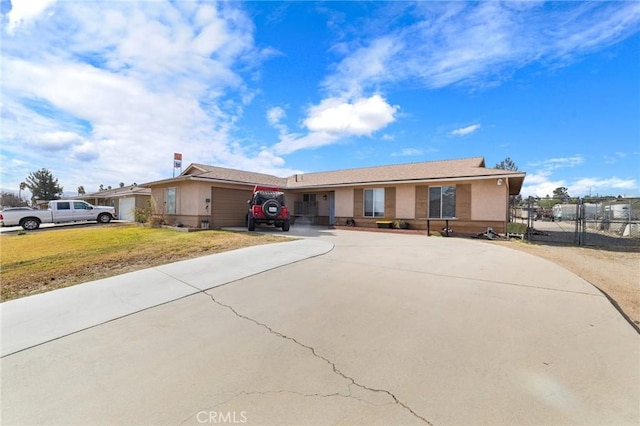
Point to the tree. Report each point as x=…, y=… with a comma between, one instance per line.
x=561, y=193
x=43, y=186
x=9, y=199
x=81, y=190
x=507, y=164
x=101, y=188
x=121, y=184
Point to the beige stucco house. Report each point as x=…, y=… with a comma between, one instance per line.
x=463, y=193
x=125, y=200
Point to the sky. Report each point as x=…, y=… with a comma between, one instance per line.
x=104, y=92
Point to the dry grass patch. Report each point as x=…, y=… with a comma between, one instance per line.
x=42, y=261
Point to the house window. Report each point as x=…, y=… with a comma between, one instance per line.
x=171, y=201
x=309, y=198
x=442, y=202
x=374, y=202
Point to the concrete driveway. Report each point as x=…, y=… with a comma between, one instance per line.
x=348, y=327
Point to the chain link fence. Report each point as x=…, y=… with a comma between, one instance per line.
x=611, y=222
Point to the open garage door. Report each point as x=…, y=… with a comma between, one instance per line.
x=229, y=206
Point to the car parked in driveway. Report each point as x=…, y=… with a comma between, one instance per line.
x=59, y=211
x=268, y=206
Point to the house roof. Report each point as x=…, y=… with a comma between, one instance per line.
x=431, y=170
x=461, y=169
x=125, y=191
x=232, y=175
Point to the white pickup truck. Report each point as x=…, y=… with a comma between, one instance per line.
x=59, y=211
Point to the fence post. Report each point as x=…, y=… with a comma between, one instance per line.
x=527, y=232
x=580, y=228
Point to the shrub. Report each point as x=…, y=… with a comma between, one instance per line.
x=516, y=228
x=400, y=224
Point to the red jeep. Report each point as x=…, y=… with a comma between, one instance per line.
x=267, y=205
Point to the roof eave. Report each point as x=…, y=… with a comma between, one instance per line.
x=405, y=181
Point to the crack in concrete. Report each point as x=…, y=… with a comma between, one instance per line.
x=337, y=371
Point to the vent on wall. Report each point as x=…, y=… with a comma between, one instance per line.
x=299, y=178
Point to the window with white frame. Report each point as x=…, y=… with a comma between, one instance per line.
x=442, y=202
x=374, y=202
x=171, y=201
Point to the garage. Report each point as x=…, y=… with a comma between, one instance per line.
x=229, y=206
x=126, y=208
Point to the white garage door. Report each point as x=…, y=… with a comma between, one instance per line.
x=126, y=209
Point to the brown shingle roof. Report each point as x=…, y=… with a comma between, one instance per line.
x=467, y=168
x=233, y=175
x=445, y=169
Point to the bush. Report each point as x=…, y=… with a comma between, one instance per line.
x=516, y=228
x=142, y=214
x=401, y=224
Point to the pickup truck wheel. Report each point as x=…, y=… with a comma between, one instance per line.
x=251, y=224
x=104, y=218
x=30, y=223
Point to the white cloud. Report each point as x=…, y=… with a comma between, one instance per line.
x=543, y=181
x=55, y=141
x=540, y=185
x=557, y=163
x=363, y=116
x=475, y=44
x=142, y=79
x=335, y=119
x=614, y=158
x=407, y=152
x=86, y=152
x=603, y=186
x=275, y=115
x=24, y=11
x=463, y=131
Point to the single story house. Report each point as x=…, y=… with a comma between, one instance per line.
x=125, y=200
x=463, y=193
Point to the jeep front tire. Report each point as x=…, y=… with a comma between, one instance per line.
x=251, y=224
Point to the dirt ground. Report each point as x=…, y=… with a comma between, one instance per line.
x=616, y=273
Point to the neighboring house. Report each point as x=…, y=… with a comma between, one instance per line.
x=125, y=200
x=467, y=194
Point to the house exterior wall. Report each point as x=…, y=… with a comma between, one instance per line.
x=490, y=200
x=406, y=202
x=480, y=203
x=344, y=198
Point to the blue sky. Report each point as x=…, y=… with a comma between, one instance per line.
x=104, y=92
